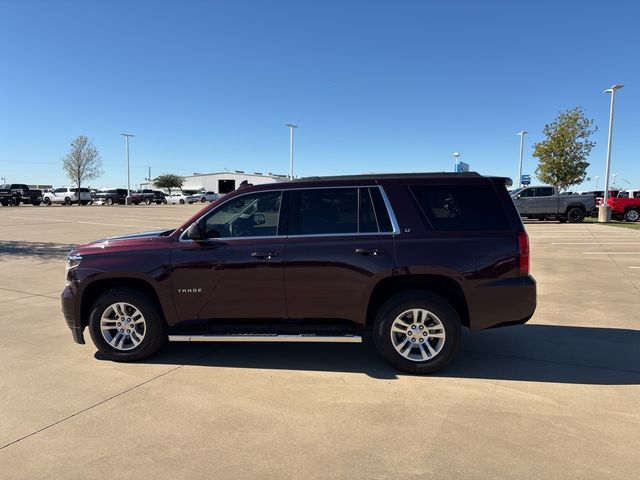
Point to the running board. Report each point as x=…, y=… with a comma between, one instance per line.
x=267, y=338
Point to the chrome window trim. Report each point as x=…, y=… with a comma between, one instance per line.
x=385, y=199
x=392, y=215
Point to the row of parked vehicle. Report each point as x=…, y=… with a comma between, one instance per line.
x=546, y=203
x=14, y=194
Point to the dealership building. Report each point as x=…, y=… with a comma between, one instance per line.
x=225, y=182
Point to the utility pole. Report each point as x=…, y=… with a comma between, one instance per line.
x=291, y=127
x=126, y=142
x=522, y=134
x=604, y=210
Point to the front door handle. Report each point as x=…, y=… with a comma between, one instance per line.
x=369, y=251
x=266, y=255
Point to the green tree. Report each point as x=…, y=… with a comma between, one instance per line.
x=169, y=181
x=563, y=153
x=82, y=163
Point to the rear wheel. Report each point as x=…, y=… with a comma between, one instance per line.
x=126, y=325
x=109, y=201
x=147, y=201
x=67, y=201
x=632, y=215
x=181, y=201
x=575, y=215
x=417, y=332
x=47, y=201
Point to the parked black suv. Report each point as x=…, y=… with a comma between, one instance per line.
x=410, y=257
x=148, y=197
x=110, y=196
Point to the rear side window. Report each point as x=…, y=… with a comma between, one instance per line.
x=461, y=207
x=544, y=191
x=327, y=211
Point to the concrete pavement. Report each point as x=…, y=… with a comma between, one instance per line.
x=556, y=398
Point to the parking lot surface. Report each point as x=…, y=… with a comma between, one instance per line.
x=556, y=398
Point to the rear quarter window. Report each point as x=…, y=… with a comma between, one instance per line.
x=461, y=207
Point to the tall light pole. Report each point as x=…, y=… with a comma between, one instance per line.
x=126, y=142
x=291, y=127
x=456, y=157
x=597, y=178
x=613, y=184
x=604, y=211
x=522, y=134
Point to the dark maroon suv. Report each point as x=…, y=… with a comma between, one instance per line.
x=410, y=257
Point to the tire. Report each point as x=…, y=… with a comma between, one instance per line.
x=150, y=333
x=181, y=201
x=147, y=201
x=575, y=215
x=164, y=202
x=202, y=199
x=67, y=201
x=434, y=311
x=632, y=215
x=109, y=201
x=47, y=201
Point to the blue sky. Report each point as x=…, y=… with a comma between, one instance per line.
x=376, y=86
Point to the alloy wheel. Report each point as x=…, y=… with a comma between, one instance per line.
x=418, y=335
x=123, y=326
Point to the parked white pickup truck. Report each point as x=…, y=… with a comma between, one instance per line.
x=545, y=203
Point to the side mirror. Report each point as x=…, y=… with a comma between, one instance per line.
x=258, y=219
x=194, y=232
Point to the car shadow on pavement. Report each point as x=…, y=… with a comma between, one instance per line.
x=530, y=353
x=39, y=250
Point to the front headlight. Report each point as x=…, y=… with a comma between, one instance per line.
x=72, y=262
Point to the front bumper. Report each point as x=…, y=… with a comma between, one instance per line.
x=68, y=302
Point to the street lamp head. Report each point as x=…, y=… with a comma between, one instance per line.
x=291, y=125
x=617, y=86
x=522, y=132
x=127, y=135
x=456, y=154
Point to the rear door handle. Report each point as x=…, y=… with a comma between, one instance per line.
x=369, y=251
x=266, y=255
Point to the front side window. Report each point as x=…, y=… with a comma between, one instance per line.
x=252, y=215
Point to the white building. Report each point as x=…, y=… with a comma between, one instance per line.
x=225, y=182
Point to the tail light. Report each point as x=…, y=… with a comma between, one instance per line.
x=523, y=252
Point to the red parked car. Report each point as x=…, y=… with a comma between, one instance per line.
x=625, y=208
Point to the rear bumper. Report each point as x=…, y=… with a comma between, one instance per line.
x=68, y=302
x=503, y=302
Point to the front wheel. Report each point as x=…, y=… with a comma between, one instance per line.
x=632, y=215
x=147, y=201
x=47, y=201
x=575, y=215
x=181, y=201
x=417, y=332
x=67, y=201
x=109, y=201
x=125, y=325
